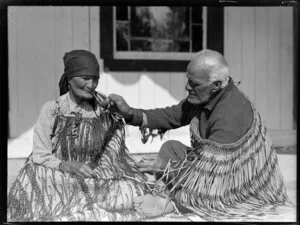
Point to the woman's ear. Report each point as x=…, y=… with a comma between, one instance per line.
x=216, y=86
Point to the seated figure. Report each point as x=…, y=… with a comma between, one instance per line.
x=230, y=170
x=79, y=169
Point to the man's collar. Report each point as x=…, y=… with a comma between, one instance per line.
x=212, y=103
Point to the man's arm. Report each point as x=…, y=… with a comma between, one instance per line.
x=170, y=117
x=161, y=118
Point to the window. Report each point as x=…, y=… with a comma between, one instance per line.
x=157, y=38
x=158, y=32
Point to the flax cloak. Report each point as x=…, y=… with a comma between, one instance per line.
x=41, y=193
x=229, y=181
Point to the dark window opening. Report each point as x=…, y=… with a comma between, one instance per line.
x=142, y=30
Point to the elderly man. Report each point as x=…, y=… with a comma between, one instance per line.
x=230, y=167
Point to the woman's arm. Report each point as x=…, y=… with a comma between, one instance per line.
x=42, y=145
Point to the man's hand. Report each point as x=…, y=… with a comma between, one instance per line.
x=77, y=168
x=121, y=106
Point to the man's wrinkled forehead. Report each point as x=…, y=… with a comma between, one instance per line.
x=196, y=70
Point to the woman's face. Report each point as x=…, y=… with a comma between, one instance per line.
x=81, y=86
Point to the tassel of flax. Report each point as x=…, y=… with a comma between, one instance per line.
x=62, y=141
x=148, y=132
x=230, y=180
x=19, y=203
x=126, y=163
x=96, y=147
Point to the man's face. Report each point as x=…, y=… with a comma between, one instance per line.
x=81, y=86
x=198, y=85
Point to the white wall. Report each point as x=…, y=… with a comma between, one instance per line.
x=259, y=49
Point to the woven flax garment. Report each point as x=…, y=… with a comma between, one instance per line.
x=229, y=181
x=44, y=194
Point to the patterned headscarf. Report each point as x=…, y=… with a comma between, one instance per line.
x=77, y=63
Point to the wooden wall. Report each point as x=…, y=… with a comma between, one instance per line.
x=145, y=89
x=258, y=46
x=38, y=38
x=259, y=49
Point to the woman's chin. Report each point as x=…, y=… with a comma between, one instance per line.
x=85, y=97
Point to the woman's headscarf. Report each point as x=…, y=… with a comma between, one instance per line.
x=77, y=63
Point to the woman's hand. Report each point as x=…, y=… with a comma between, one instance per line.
x=77, y=168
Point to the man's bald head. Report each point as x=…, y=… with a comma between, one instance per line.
x=213, y=63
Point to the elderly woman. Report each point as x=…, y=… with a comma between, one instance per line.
x=79, y=169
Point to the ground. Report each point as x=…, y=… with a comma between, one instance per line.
x=287, y=164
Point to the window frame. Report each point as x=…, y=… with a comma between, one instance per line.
x=214, y=41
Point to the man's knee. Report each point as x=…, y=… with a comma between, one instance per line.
x=169, y=145
x=170, y=150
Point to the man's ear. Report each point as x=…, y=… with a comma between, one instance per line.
x=216, y=86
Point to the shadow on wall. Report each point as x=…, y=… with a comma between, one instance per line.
x=158, y=89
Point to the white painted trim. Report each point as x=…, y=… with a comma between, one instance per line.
x=153, y=55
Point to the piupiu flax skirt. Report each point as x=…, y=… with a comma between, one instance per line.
x=41, y=193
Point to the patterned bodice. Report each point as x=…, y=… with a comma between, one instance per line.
x=81, y=139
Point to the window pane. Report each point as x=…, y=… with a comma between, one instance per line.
x=160, y=45
x=197, y=15
x=140, y=22
x=140, y=45
x=122, y=36
x=197, y=38
x=183, y=46
x=122, y=13
x=179, y=22
x=165, y=46
x=159, y=29
x=160, y=22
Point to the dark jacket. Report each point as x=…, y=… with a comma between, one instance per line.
x=225, y=119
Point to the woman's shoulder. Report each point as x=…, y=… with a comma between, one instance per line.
x=48, y=106
x=52, y=105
